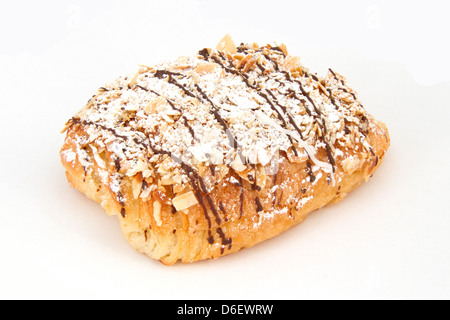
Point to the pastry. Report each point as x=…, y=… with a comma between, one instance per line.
x=208, y=154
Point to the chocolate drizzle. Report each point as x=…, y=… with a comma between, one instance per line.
x=312, y=178
x=117, y=164
x=291, y=120
x=274, y=101
x=278, y=49
x=170, y=76
x=215, y=111
x=333, y=101
x=212, y=168
x=225, y=241
x=363, y=119
x=204, y=53
x=199, y=189
x=203, y=96
x=75, y=120
x=259, y=207
x=321, y=121
x=262, y=94
x=172, y=105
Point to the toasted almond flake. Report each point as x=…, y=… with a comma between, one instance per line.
x=261, y=176
x=227, y=45
x=291, y=63
x=153, y=106
x=263, y=156
x=248, y=65
x=205, y=67
x=145, y=194
x=242, y=62
x=157, y=212
x=133, y=80
x=178, y=188
x=97, y=157
x=147, y=173
x=167, y=181
x=184, y=201
x=237, y=164
x=284, y=49
x=136, y=186
x=182, y=63
x=350, y=164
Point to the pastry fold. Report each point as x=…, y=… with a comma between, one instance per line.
x=208, y=154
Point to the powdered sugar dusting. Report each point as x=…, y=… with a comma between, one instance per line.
x=222, y=109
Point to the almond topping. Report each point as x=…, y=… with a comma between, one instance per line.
x=205, y=67
x=227, y=45
x=184, y=201
x=261, y=176
x=134, y=80
x=136, y=186
x=152, y=107
x=157, y=212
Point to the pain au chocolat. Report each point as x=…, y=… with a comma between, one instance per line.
x=208, y=154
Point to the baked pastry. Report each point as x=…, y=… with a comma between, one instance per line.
x=212, y=153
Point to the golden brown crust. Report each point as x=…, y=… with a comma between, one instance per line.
x=213, y=210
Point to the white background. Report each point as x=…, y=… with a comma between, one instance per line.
x=389, y=239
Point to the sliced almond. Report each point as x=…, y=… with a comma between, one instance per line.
x=154, y=105
x=291, y=63
x=283, y=48
x=157, y=212
x=184, y=201
x=100, y=162
x=178, y=179
x=182, y=63
x=238, y=56
x=249, y=64
x=248, y=175
x=227, y=45
x=167, y=181
x=139, y=167
x=133, y=80
x=237, y=164
x=136, y=186
x=205, y=67
x=178, y=188
x=351, y=164
x=145, y=194
x=147, y=174
x=261, y=176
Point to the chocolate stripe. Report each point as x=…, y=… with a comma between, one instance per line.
x=199, y=189
x=320, y=117
x=258, y=90
x=203, y=96
x=170, y=76
x=172, y=105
